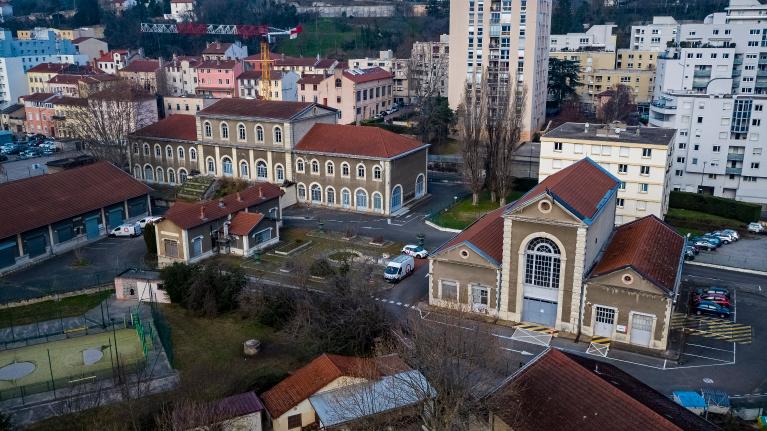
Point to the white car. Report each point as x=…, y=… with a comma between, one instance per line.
x=128, y=229
x=756, y=227
x=416, y=251
x=148, y=219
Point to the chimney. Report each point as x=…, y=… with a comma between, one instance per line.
x=239, y=197
x=221, y=203
x=260, y=193
x=202, y=213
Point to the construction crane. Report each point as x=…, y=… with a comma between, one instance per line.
x=265, y=32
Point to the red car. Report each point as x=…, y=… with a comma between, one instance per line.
x=722, y=300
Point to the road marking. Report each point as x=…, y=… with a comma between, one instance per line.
x=522, y=352
x=707, y=347
x=705, y=357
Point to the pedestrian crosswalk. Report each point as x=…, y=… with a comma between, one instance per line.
x=396, y=303
x=711, y=327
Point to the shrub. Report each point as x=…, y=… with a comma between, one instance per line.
x=723, y=207
x=321, y=268
x=524, y=184
x=150, y=238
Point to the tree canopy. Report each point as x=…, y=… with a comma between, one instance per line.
x=564, y=79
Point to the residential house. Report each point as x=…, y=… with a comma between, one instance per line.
x=146, y=73
x=187, y=105
x=357, y=94
x=300, y=65
x=284, y=85
x=558, y=390
x=39, y=110
x=533, y=260
x=69, y=209
x=365, y=169
x=139, y=285
x=79, y=85
x=224, y=51
x=289, y=403
x=12, y=118
x=90, y=46
x=638, y=156
x=112, y=61
x=218, y=78
x=38, y=77
x=182, y=10
x=181, y=76
x=66, y=111
x=240, y=223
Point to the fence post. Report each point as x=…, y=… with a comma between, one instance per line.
x=50, y=367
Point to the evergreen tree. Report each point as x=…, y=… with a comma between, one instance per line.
x=564, y=79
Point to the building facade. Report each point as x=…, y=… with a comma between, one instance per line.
x=284, y=85
x=91, y=47
x=426, y=73
x=533, y=261
x=654, y=36
x=112, y=61
x=638, y=156
x=187, y=105
x=218, y=78
x=182, y=10
x=39, y=77
x=181, y=76
x=224, y=51
x=147, y=74
x=597, y=37
x=505, y=42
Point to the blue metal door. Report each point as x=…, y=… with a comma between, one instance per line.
x=115, y=217
x=35, y=245
x=92, y=227
x=539, y=311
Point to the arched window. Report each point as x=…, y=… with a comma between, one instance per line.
x=542, y=263
x=146, y=149
x=279, y=173
x=316, y=193
x=261, y=170
x=148, y=173
x=315, y=167
x=135, y=149
x=181, y=154
x=377, y=202
x=160, y=176
x=346, y=198
x=301, y=192
x=226, y=166
x=182, y=176
x=168, y=152
x=192, y=154
x=396, y=198
x=241, y=135
x=137, y=172
x=244, y=171
x=330, y=196
x=361, y=199
x=224, y=131
x=208, y=130
x=420, y=186
x=259, y=134
x=376, y=172
x=300, y=165
x=171, y=176
x=344, y=169
x=211, y=165
x=360, y=171
x=157, y=151
x=330, y=168
x=277, y=135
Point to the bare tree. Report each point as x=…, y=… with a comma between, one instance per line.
x=109, y=117
x=504, y=130
x=619, y=107
x=426, y=72
x=472, y=114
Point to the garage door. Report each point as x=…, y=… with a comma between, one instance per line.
x=34, y=245
x=604, y=321
x=92, y=227
x=539, y=311
x=115, y=217
x=137, y=207
x=641, y=330
x=7, y=254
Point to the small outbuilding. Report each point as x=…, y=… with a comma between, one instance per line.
x=141, y=286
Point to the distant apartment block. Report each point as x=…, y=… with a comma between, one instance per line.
x=145, y=73
x=225, y=51
x=112, y=61
x=284, y=85
x=181, y=76
x=597, y=37
x=218, y=78
x=655, y=36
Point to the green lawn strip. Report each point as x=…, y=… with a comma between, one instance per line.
x=698, y=221
x=463, y=213
x=48, y=310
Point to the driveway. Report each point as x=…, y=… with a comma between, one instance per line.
x=105, y=259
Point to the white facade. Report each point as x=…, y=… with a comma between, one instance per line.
x=655, y=36
x=181, y=76
x=639, y=160
x=508, y=40
x=712, y=87
x=384, y=61
x=599, y=37
x=181, y=10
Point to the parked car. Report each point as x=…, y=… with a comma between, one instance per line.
x=724, y=237
x=732, y=232
x=711, y=238
x=713, y=297
x=755, y=227
x=148, y=219
x=694, y=248
x=710, y=307
x=689, y=254
x=3, y=157
x=712, y=290
x=704, y=244
x=399, y=268
x=416, y=251
x=127, y=229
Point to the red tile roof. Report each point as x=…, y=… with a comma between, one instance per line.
x=294, y=61
x=148, y=65
x=243, y=223
x=72, y=69
x=177, y=126
x=356, y=141
x=217, y=64
x=37, y=97
x=109, y=55
x=583, y=188
x=484, y=235
x=216, y=48
x=322, y=371
x=256, y=74
x=256, y=108
x=237, y=405
x=359, y=76
x=189, y=215
x=82, y=39
x=35, y=202
x=311, y=78
x=561, y=391
x=649, y=246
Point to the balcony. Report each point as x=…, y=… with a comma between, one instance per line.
x=760, y=84
x=737, y=61
x=706, y=73
x=733, y=157
x=733, y=171
x=761, y=73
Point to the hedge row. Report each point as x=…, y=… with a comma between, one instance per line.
x=723, y=207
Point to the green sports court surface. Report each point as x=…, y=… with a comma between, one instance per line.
x=70, y=359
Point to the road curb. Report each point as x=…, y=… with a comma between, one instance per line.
x=440, y=228
x=727, y=268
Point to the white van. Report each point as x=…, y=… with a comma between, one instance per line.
x=127, y=229
x=399, y=268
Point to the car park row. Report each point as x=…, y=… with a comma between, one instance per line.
x=709, y=242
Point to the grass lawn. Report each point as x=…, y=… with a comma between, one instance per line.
x=47, y=310
x=450, y=148
x=320, y=36
x=697, y=222
x=464, y=213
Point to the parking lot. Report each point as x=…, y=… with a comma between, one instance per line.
x=749, y=252
x=18, y=169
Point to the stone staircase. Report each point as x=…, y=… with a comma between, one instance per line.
x=195, y=188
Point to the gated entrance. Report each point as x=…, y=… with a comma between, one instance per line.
x=641, y=330
x=604, y=321
x=539, y=311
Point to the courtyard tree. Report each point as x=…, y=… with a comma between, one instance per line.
x=564, y=80
x=472, y=115
x=619, y=106
x=504, y=131
x=426, y=73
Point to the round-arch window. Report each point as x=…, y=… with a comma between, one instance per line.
x=544, y=206
x=542, y=263
x=464, y=254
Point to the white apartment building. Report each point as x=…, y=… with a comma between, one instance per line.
x=181, y=76
x=509, y=42
x=599, y=37
x=429, y=62
x=638, y=156
x=712, y=88
x=655, y=36
x=384, y=61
